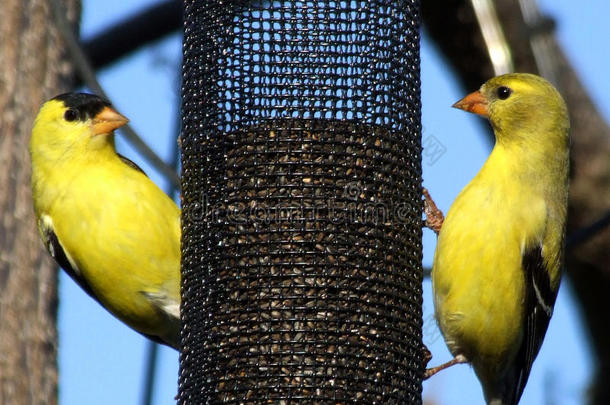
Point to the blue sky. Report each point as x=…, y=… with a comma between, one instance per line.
x=101, y=361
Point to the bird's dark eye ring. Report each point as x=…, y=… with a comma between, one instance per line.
x=504, y=92
x=70, y=115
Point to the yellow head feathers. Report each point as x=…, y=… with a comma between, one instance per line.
x=69, y=122
x=517, y=102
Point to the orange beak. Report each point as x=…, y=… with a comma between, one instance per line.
x=107, y=121
x=474, y=103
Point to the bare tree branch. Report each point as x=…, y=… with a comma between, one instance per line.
x=132, y=33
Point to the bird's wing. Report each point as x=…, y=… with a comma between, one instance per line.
x=131, y=164
x=61, y=256
x=163, y=302
x=169, y=307
x=538, y=308
x=65, y=261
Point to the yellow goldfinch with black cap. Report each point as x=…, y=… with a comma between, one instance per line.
x=102, y=219
x=497, y=264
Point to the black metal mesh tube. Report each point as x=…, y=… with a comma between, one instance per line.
x=301, y=260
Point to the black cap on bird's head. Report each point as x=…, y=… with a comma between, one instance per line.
x=83, y=107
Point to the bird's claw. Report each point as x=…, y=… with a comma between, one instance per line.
x=459, y=359
x=434, y=216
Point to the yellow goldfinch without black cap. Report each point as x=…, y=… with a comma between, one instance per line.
x=102, y=219
x=497, y=264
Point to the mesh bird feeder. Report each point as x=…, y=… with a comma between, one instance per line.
x=301, y=258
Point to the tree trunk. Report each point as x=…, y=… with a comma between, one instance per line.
x=34, y=68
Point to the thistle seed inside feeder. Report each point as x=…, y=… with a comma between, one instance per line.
x=313, y=262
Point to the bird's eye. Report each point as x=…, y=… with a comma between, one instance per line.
x=70, y=115
x=504, y=92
